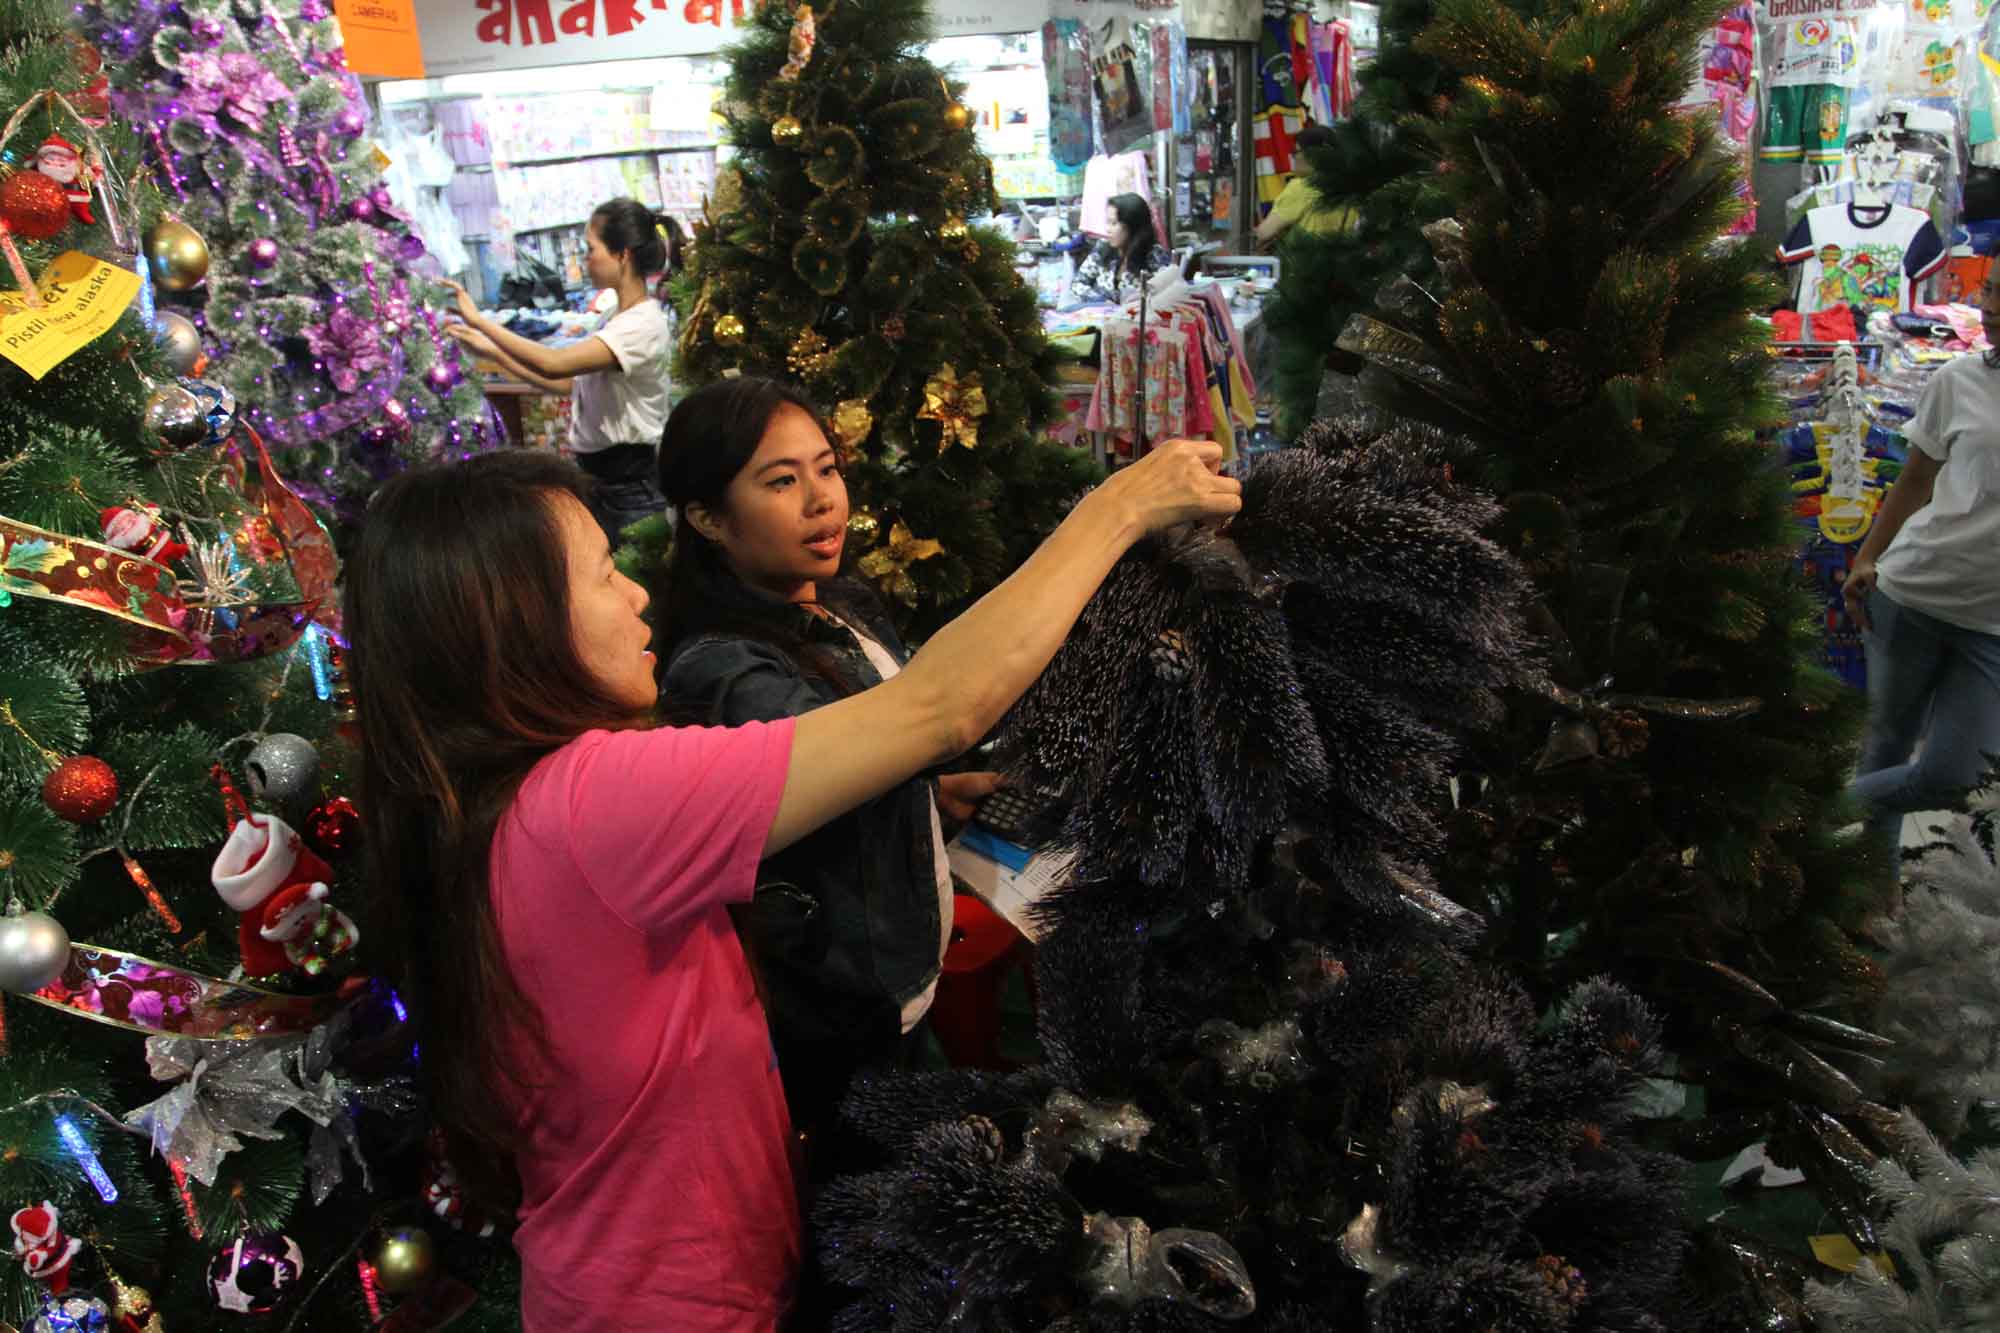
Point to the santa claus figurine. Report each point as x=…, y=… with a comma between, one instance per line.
x=137, y=527
x=41, y=1246
x=266, y=872
x=59, y=160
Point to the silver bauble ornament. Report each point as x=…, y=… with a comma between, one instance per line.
x=282, y=767
x=175, y=417
x=177, y=255
x=181, y=340
x=34, y=950
x=71, y=1312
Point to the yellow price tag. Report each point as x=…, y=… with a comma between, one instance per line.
x=82, y=296
x=1839, y=1253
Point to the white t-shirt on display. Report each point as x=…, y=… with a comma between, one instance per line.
x=628, y=405
x=1946, y=560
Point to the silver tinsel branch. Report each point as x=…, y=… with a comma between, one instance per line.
x=1943, y=1240
x=1942, y=1001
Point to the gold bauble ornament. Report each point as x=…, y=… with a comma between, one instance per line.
x=954, y=229
x=177, y=255
x=405, y=1260
x=729, y=330
x=787, y=131
x=957, y=116
x=863, y=526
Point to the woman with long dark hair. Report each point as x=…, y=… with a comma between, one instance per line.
x=557, y=876
x=1126, y=258
x=617, y=377
x=848, y=927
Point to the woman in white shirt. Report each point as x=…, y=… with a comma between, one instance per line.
x=617, y=376
x=1925, y=590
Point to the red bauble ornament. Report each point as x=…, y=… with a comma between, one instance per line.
x=82, y=789
x=32, y=205
x=334, y=827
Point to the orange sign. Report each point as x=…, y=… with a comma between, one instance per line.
x=381, y=37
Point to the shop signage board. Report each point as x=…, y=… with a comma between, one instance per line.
x=466, y=36
x=380, y=37
x=1786, y=10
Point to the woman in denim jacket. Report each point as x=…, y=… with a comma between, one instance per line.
x=848, y=926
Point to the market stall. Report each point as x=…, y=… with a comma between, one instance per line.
x=523, y=126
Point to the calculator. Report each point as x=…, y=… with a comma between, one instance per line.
x=1019, y=815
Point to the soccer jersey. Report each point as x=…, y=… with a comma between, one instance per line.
x=1867, y=257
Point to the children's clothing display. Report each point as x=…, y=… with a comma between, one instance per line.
x=1196, y=381
x=1847, y=445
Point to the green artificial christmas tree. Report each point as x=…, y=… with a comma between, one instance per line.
x=1668, y=809
x=205, y=1107
x=306, y=302
x=837, y=253
x=1376, y=172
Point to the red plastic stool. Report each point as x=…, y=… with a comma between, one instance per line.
x=965, y=1015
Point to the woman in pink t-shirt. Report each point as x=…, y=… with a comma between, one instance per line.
x=556, y=875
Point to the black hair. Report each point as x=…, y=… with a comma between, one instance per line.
x=1137, y=215
x=1313, y=136
x=710, y=437
x=626, y=226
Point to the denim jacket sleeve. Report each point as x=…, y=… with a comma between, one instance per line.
x=734, y=681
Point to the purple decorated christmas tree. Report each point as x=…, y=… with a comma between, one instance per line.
x=312, y=307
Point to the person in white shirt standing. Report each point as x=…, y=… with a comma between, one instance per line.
x=617, y=376
x=1925, y=590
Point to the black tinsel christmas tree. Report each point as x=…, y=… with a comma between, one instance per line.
x=1278, y=1094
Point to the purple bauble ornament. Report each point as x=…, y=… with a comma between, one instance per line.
x=398, y=416
x=362, y=209
x=351, y=120
x=253, y=1273
x=311, y=11
x=263, y=254
x=442, y=378
x=383, y=199
x=410, y=249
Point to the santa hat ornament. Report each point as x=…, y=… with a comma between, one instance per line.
x=41, y=1246
x=138, y=528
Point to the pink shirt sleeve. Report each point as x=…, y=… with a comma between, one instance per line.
x=670, y=822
